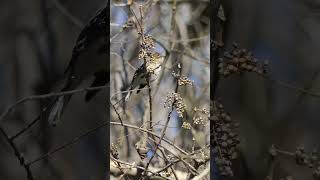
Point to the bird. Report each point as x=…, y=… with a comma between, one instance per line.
x=152, y=66
x=90, y=58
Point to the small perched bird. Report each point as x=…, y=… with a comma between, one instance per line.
x=90, y=58
x=152, y=66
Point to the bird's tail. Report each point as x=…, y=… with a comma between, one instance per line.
x=55, y=109
x=131, y=90
x=127, y=96
x=131, y=87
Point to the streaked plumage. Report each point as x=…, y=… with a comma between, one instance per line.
x=89, y=59
x=152, y=66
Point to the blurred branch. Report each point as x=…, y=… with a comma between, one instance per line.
x=205, y=61
x=37, y=97
x=18, y=155
x=73, y=141
x=185, y=40
x=10, y=140
x=216, y=50
x=67, y=14
x=216, y=44
x=292, y=87
x=171, y=43
x=49, y=53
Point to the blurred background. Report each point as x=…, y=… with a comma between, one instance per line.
x=286, y=33
x=36, y=41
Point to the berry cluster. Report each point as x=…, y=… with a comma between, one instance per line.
x=147, y=43
x=176, y=101
x=148, y=55
x=316, y=173
x=186, y=125
x=114, y=151
x=304, y=158
x=225, y=140
x=310, y=159
x=200, y=116
x=182, y=80
x=239, y=61
x=166, y=173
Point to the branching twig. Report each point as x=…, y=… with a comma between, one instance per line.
x=73, y=141
x=37, y=97
x=119, y=117
x=163, y=132
x=18, y=154
x=188, y=165
x=152, y=133
x=45, y=96
x=292, y=87
x=132, y=166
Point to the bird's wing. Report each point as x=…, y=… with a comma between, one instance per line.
x=138, y=76
x=96, y=28
x=101, y=78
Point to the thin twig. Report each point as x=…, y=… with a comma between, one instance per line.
x=73, y=141
x=152, y=133
x=120, y=168
x=67, y=14
x=287, y=153
x=185, y=40
x=24, y=129
x=163, y=132
x=292, y=87
x=44, y=96
x=132, y=165
x=18, y=155
x=119, y=117
x=188, y=165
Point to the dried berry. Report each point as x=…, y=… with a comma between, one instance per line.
x=176, y=101
x=225, y=139
x=240, y=60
